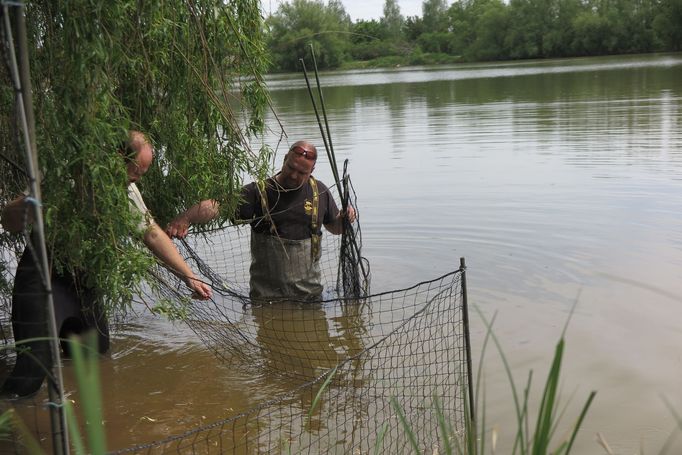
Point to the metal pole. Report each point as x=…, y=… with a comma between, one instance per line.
x=467, y=338
x=22, y=81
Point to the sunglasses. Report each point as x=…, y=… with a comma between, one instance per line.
x=308, y=154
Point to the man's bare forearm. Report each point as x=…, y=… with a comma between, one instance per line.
x=162, y=247
x=203, y=212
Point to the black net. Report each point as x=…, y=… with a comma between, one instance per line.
x=405, y=346
x=349, y=364
x=353, y=360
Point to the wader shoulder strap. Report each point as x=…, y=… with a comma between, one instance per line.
x=314, y=237
x=262, y=192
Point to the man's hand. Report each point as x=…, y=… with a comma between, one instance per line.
x=200, y=213
x=336, y=227
x=178, y=228
x=15, y=214
x=350, y=214
x=201, y=291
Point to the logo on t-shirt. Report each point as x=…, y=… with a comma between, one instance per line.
x=308, y=206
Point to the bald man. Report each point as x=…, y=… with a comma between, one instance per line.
x=286, y=214
x=138, y=155
x=77, y=309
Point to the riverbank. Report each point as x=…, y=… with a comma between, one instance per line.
x=411, y=59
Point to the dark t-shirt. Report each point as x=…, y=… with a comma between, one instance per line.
x=290, y=209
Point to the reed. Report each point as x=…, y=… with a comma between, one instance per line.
x=538, y=439
x=86, y=367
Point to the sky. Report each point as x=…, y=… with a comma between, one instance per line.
x=362, y=9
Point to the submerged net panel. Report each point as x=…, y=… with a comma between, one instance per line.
x=388, y=353
x=373, y=356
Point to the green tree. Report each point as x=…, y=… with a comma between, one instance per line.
x=461, y=19
x=300, y=23
x=392, y=19
x=167, y=68
x=558, y=41
x=532, y=21
x=364, y=31
x=492, y=23
x=667, y=25
x=591, y=34
x=414, y=26
x=434, y=15
x=368, y=40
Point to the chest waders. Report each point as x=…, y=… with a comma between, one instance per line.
x=286, y=268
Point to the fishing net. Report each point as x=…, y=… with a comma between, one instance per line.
x=359, y=371
x=397, y=353
x=363, y=368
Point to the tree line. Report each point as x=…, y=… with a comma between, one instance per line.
x=471, y=30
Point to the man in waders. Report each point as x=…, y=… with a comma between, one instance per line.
x=77, y=307
x=286, y=214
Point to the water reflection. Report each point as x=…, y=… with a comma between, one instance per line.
x=300, y=343
x=296, y=340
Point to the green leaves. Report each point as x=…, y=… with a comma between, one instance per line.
x=171, y=69
x=297, y=24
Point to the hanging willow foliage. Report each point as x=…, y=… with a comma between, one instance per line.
x=187, y=73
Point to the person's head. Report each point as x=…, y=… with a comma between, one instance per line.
x=138, y=155
x=299, y=163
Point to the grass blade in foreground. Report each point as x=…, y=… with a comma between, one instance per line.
x=85, y=362
x=540, y=441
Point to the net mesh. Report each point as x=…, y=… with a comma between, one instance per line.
x=409, y=353
x=354, y=360
x=350, y=363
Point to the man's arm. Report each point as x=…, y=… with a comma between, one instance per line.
x=336, y=226
x=14, y=215
x=203, y=212
x=162, y=247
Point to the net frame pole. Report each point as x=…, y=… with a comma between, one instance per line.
x=24, y=100
x=327, y=140
x=467, y=341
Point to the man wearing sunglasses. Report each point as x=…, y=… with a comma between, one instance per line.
x=286, y=213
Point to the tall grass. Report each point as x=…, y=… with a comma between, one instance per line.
x=529, y=440
x=537, y=439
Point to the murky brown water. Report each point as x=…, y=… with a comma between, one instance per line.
x=558, y=181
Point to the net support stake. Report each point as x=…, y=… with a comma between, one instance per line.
x=467, y=339
x=19, y=68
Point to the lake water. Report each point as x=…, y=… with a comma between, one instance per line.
x=558, y=181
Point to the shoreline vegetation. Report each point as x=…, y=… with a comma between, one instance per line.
x=469, y=31
x=399, y=61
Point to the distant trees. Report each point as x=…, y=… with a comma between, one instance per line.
x=392, y=20
x=475, y=30
x=667, y=25
x=297, y=24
